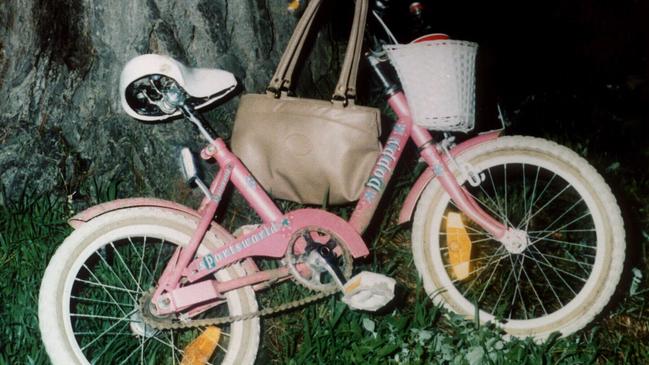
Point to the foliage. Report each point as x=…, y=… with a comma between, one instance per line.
x=31, y=229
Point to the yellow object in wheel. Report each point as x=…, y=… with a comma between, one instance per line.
x=201, y=349
x=459, y=246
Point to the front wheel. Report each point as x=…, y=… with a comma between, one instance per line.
x=568, y=269
x=89, y=309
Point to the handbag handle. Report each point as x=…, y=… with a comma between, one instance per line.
x=346, y=86
x=282, y=78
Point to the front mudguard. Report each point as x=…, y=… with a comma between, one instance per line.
x=418, y=188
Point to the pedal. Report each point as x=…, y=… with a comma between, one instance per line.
x=459, y=246
x=368, y=291
x=201, y=349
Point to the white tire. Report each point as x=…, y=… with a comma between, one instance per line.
x=569, y=268
x=91, y=287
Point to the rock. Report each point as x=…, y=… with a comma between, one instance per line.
x=61, y=124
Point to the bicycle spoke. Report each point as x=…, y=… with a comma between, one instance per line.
x=142, y=264
x=157, y=260
x=560, y=228
x=568, y=243
x=489, y=263
x=524, y=193
x=91, y=300
x=546, y=204
x=108, y=346
x=565, y=259
x=517, y=290
x=538, y=297
x=493, y=186
x=527, y=218
x=563, y=214
x=563, y=231
x=128, y=270
x=110, y=268
x=500, y=215
x=489, y=280
x=549, y=283
x=106, y=290
x=139, y=349
x=172, y=347
x=556, y=271
x=506, y=202
x=476, y=242
x=502, y=291
x=495, y=255
x=106, y=286
x=478, y=270
x=119, y=320
x=470, y=228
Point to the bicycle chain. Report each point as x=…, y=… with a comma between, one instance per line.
x=162, y=324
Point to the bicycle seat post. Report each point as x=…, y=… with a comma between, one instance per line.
x=197, y=119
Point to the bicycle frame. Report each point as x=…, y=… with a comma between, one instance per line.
x=272, y=238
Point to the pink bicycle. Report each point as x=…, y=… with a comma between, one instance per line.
x=522, y=228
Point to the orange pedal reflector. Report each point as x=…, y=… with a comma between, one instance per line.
x=201, y=349
x=459, y=246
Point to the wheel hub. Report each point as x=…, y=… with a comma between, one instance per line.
x=515, y=241
x=139, y=327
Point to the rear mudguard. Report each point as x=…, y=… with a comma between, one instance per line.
x=87, y=215
x=418, y=188
x=95, y=211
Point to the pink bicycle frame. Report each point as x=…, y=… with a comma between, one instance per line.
x=403, y=130
x=271, y=239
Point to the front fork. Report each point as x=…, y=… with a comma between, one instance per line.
x=462, y=199
x=427, y=147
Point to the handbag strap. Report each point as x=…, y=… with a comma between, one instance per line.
x=282, y=78
x=346, y=86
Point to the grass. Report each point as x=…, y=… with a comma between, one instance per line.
x=411, y=331
x=30, y=232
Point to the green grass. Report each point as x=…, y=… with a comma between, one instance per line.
x=30, y=232
x=412, y=331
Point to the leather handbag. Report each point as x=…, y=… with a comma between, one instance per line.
x=307, y=150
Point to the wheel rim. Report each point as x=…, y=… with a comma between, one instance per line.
x=104, y=286
x=554, y=275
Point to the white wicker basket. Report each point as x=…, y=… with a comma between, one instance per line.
x=438, y=78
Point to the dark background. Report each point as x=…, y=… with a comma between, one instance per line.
x=572, y=71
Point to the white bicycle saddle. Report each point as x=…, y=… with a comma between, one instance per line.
x=145, y=74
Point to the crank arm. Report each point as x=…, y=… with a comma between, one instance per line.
x=327, y=255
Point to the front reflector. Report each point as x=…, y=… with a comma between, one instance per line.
x=459, y=246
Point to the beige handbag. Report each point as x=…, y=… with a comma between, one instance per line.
x=306, y=150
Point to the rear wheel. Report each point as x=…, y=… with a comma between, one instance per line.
x=89, y=310
x=571, y=264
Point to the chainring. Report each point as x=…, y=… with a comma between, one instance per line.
x=302, y=243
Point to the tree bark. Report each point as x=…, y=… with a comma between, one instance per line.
x=61, y=124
